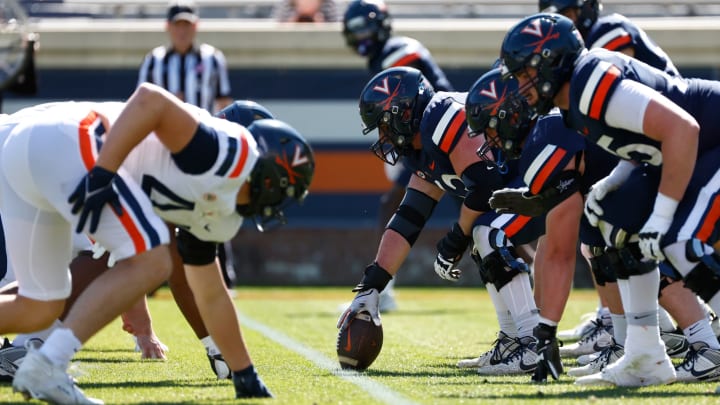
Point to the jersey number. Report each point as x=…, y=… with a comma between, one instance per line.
x=162, y=197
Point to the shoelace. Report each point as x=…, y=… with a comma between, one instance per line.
x=604, y=358
x=499, y=348
x=594, y=334
x=518, y=351
x=688, y=362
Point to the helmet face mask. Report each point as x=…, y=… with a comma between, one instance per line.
x=547, y=43
x=393, y=102
x=496, y=108
x=281, y=176
x=587, y=11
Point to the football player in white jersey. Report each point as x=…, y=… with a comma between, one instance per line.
x=158, y=160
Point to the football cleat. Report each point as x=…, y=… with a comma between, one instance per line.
x=37, y=377
x=637, y=370
x=596, y=340
x=219, y=366
x=606, y=357
x=10, y=359
x=520, y=360
x=583, y=328
x=701, y=363
x=676, y=344
x=501, y=346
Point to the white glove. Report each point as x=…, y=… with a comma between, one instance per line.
x=98, y=251
x=656, y=227
x=445, y=268
x=365, y=301
x=609, y=183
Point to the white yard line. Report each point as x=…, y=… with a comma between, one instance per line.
x=373, y=388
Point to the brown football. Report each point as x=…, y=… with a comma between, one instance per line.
x=359, y=344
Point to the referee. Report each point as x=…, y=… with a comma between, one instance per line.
x=197, y=74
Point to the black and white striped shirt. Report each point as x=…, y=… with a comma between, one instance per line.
x=198, y=77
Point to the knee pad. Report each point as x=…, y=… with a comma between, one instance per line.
x=602, y=264
x=484, y=274
x=629, y=264
x=703, y=281
x=499, y=273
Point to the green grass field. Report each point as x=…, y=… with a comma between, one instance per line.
x=291, y=334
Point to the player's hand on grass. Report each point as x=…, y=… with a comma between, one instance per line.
x=365, y=301
x=151, y=347
x=548, y=354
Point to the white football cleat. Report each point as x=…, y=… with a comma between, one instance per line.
x=582, y=329
x=606, y=357
x=519, y=359
x=676, y=344
x=10, y=359
x=37, y=377
x=637, y=370
x=701, y=363
x=596, y=340
x=499, y=350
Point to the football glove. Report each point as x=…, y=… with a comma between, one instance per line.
x=365, y=301
x=450, y=250
x=656, y=227
x=98, y=251
x=548, y=353
x=518, y=201
x=248, y=384
x=90, y=196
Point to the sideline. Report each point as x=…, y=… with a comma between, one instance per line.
x=373, y=388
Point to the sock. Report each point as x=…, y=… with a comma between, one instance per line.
x=518, y=296
x=619, y=325
x=42, y=335
x=210, y=346
x=505, y=319
x=640, y=300
x=664, y=320
x=701, y=331
x=61, y=346
x=547, y=322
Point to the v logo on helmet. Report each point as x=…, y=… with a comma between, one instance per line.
x=533, y=28
x=298, y=158
x=491, y=92
x=385, y=88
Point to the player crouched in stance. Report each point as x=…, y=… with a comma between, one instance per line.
x=429, y=131
x=664, y=125
x=559, y=166
x=139, y=164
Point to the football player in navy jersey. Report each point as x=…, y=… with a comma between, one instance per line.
x=646, y=118
x=616, y=33
x=428, y=130
x=367, y=28
x=558, y=167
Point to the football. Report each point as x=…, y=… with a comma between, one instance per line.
x=359, y=344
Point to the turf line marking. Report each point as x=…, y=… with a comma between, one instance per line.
x=373, y=388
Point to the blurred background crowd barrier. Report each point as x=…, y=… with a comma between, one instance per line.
x=304, y=73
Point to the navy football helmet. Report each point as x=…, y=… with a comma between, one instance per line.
x=244, y=112
x=282, y=174
x=366, y=26
x=549, y=43
x=588, y=11
x=496, y=104
x=393, y=102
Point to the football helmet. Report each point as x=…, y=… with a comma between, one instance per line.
x=393, y=102
x=496, y=103
x=549, y=43
x=588, y=11
x=244, y=112
x=282, y=173
x=366, y=26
